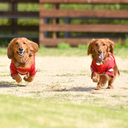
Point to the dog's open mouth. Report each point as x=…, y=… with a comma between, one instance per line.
x=101, y=56
x=20, y=53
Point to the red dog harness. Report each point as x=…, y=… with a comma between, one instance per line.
x=106, y=68
x=32, y=70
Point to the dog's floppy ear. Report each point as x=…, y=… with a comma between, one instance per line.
x=111, y=45
x=33, y=47
x=10, y=49
x=90, y=46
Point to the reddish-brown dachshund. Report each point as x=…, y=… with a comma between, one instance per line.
x=103, y=66
x=22, y=51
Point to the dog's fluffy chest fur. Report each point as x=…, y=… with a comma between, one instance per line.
x=25, y=65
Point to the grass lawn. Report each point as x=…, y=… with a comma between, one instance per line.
x=59, y=111
x=120, y=51
x=22, y=112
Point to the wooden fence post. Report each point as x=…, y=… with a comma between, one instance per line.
x=41, y=34
x=55, y=20
x=13, y=8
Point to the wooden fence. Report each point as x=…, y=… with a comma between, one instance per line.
x=12, y=14
x=56, y=13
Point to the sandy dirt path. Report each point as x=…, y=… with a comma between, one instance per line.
x=64, y=75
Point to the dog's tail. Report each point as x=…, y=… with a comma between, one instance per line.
x=116, y=70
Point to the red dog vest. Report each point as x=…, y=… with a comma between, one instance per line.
x=32, y=70
x=106, y=68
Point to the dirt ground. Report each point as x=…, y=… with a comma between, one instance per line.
x=65, y=75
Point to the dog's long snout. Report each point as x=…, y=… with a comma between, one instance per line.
x=20, y=49
x=99, y=51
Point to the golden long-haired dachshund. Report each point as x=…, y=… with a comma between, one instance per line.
x=103, y=66
x=22, y=51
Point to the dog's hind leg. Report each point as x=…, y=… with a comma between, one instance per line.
x=110, y=86
x=104, y=80
x=111, y=80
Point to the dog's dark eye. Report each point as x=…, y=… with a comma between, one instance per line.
x=104, y=44
x=16, y=43
x=24, y=43
x=96, y=44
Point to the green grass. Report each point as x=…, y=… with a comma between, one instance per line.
x=119, y=96
x=61, y=52
x=124, y=71
x=63, y=49
x=120, y=51
x=3, y=51
x=21, y=112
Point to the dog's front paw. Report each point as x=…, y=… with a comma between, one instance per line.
x=17, y=78
x=110, y=87
x=29, y=79
x=96, y=77
x=25, y=78
x=98, y=87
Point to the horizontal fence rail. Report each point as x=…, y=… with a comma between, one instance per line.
x=19, y=14
x=21, y=28
x=84, y=1
x=85, y=28
x=86, y=13
x=20, y=1
x=73, y=42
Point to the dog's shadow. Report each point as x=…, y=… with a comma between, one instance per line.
x=8, y=85
x=73, y=89
x=81, y=89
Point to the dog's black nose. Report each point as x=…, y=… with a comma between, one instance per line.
x=20, y=49
x=99, y=51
